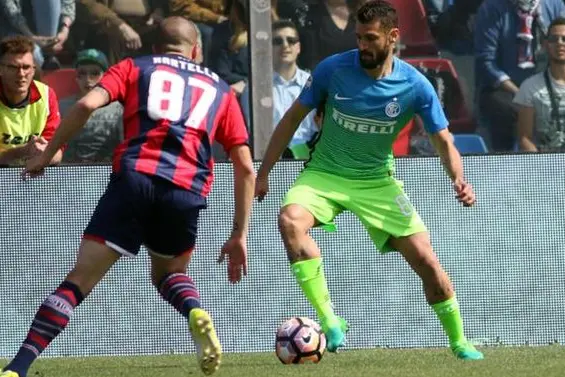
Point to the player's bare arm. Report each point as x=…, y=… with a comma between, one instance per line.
x=279, y=140
x=244, y=185
x=57, y=158
x=38, y=144
x=70, y=125
x=451, y=160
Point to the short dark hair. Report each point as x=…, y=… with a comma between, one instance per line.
x=378, y=10
x=282, y=24
x=559, y=21
x=16, y=45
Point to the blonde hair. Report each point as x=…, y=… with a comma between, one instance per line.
x=240, y=27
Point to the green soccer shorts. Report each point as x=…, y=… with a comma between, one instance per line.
x=381, y=204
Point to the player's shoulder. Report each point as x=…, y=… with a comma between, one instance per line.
x=408, y=71
x=339, y=61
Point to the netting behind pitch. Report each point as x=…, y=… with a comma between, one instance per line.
x=505, y=256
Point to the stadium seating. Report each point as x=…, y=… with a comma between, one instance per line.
x=460, y=120
x=470, y=144
x=415, y=35
x=62, y=81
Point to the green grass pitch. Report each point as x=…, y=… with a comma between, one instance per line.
x=499, y=362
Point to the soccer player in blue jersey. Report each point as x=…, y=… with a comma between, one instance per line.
x=369, y=96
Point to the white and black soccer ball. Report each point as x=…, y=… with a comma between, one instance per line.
x=300, y=340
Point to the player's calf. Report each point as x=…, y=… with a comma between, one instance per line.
x=418, y=252
x=51, y=319
x=180, y=292
x=306, y=265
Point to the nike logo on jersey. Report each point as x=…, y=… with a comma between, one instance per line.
x=339, y=98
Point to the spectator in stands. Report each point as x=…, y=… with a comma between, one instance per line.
x=120, y=28
x=288, y=82
x=46, y=22
x=330, y=28
x=230, y=52
x=436, y=6
x=507, y=41
x=541, y=99
x=205, y=13
x=452, y=23
x=294, y=10
x=103, y=130
x=199, y=59
x=29, y=112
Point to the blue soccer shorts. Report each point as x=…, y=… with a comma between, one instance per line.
x=140, y=209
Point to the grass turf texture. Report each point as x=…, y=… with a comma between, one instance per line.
x=500, y=361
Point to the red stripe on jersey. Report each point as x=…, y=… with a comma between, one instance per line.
x=207, y=186
x=131, y=119
x=221, y=110
x=150, y=153
x=187, y=163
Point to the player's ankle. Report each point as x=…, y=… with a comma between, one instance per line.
x=461, y=343
x=330, y=321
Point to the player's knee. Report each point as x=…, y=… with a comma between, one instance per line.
x=292, y=221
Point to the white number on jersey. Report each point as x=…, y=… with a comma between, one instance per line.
x=166, y=98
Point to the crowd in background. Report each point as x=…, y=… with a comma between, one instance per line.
x=518, y=101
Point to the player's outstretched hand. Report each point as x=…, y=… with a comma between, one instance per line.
x=35, y=166
x=464, y=192
x=236, y=251
x=261, y=187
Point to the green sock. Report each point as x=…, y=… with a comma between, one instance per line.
x=310, y=277
x=450, y=318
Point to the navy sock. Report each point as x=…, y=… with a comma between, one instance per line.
x=51, y=318
x=180, y=291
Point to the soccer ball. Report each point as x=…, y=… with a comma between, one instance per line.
x=300, y=340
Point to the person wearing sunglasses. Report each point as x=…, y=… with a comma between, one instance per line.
x=103, y=130
x=541, y=99
x=288, y=82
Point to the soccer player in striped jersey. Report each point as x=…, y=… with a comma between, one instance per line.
x=173, y=111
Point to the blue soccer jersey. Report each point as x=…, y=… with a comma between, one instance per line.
x=363, y=115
